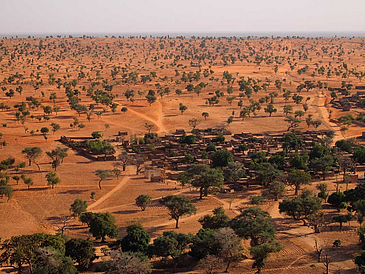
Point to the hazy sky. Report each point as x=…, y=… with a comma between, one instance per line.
x=180, y=16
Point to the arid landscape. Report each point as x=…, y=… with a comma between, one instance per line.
x=105, y=120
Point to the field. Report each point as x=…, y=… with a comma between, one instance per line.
x=42, y=69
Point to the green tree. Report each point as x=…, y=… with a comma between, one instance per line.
x=266, y=173
x=216, y=221
x=359, y=207
x=276, y=189
x=57, y=156
x=222, y=158
x=32, y=153
x=336, y=198
x=178, y=206
x=293, y=122
x=205, y=115
x=53, y=261
x=182, y=108
x=55, y=127
x=171, y=244
x=143, y=201
x=103, y=175
x=102, y=225
x=23, y=250
x=52, y=179
x=359, y=154
x=78, y=207
x=270, y=109
x=205, y=178
x=323, y=164
x=360, y=261
x=301, y=207
x=136, y=240
x=261, y=252
x=96, y=135
x=234, y=172
x=204, y=243
x=298, y=178
x=254, y=224
x=288, y=109
x=342, y=219
x=151, y=99
x=323, y=193
x=82, y=251
x=27, y=180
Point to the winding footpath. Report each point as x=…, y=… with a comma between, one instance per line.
x=158, y=123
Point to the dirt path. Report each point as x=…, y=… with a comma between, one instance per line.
x=320, y=103
x=158, y=122
x=110, y=193
x=119, y=207
x=224, y=204
x=302, y=232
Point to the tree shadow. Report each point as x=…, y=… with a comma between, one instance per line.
x=73, y=191
x=166, y=189
x=126, y=211
x=32, y=189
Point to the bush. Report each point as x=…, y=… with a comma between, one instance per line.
x=257, y=200
x=187, y=139
x=336, y=198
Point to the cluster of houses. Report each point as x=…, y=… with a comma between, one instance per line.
x=166, y=156
x=346, y=103
x=76, y=143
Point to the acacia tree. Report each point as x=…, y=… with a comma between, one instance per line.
x=103, y=175
x=57, y=155
x=78, y=207
x=148, y=127
x=182, y=108
x=52, y=179
x=270, y=109
x=32, y=153
x=205, y=115
x=297, y=178
x=27, y=180
x=178, y=206
x=194, y=123
x=255, y=224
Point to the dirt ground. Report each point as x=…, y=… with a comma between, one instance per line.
x=41, y=208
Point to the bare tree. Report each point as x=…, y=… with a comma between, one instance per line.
x=138, y=161
x=210, y=263
x=319, y=249
x=124, y=159
x=64, y=223
x=326, y=262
